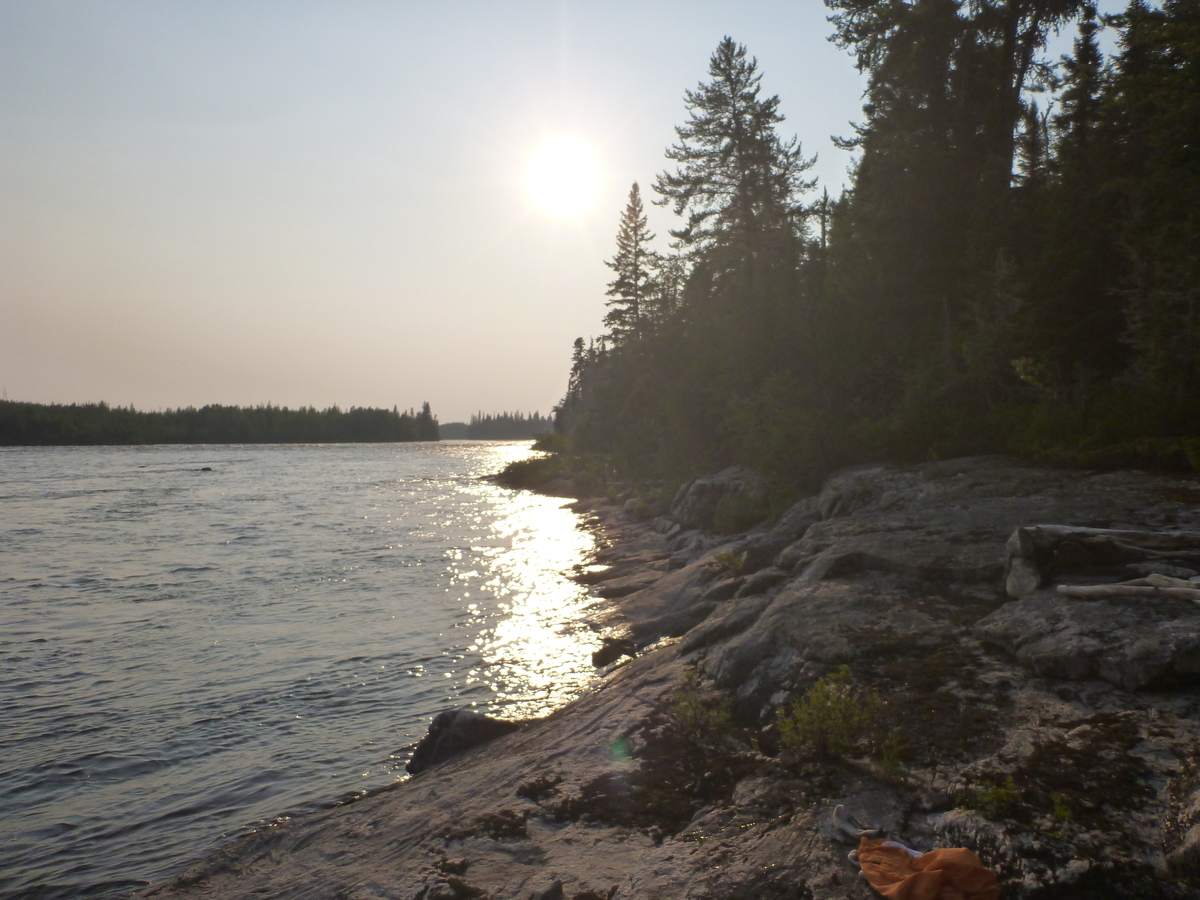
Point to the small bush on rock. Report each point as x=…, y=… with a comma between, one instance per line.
x=994, y=797
x=831, y=718
x=531, y=473
x=889, y=755
x=729, y=563
x=699, y=718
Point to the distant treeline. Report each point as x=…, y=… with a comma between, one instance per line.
x=504, y=426
x=99, y=423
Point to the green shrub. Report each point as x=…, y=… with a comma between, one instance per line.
x=551, y=442
x=591, y=474
x=699, y=718
x=1058, y=805
x=534, y=472
x=728, y=563
x=831, y=718
x=641, y=509
x=991, y=796
x=889, y=754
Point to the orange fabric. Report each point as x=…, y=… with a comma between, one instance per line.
x=950, y=874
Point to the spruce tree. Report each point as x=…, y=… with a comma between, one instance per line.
x=426, y=424
x=634, y=266
x=1079, y=111
x=1154, y=109
x=737, y=181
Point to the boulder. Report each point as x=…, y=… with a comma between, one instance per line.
x=762, y=581
x=763, y=548
x=612, y=649
x=454, y=731
x=736, y=490
x=1133, y=644
x=797, y=519
x=850, y=491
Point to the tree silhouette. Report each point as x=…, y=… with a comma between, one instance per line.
x=634, y=266
x=737, y=181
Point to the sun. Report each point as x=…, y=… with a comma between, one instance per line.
x=563, y=176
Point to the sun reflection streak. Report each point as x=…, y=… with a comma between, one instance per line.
x=531, y=638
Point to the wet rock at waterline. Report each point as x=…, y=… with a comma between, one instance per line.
x=453, y=732
x=1055, y=737
x=612, y=649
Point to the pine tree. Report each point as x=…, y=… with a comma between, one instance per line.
x=738, y=182
x=1079, y=111
x=634, y=266
x=1073, y=259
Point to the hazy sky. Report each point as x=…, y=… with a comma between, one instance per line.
x=326, y=202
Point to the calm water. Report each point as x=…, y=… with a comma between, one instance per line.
x=186, y=652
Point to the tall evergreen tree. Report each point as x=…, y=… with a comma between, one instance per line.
x=738, y=182
x=1033, y=148
x=1154, y=109
x=634, y=266
x=1073, y=317
x=427, y=424
x=922, y=232
x=1079, y=103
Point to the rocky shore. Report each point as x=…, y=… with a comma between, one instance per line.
x=1057, y=737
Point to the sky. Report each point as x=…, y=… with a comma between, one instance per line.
x=307, y=202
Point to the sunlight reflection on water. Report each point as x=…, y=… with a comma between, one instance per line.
x=532, y=655
x=189, y=651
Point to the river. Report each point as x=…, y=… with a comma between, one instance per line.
x=194, y=639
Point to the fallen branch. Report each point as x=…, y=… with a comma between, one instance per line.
x=1030, y=540
x=1037, y=552
x=1117, y=591
x=1165, y=581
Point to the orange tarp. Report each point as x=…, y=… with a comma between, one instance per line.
x=950, y=874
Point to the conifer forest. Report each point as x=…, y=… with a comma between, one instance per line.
x=1014, y=267
x=56, y=424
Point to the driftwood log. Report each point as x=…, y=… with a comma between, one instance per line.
x=1038, y=553
x=1151, y=586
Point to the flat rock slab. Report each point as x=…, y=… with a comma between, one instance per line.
x=1133, y=644
x=1023, y=727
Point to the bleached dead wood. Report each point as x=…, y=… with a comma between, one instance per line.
x=1166, y=581
x=1038, y=551
x=1030, y=539
x=1041, y=541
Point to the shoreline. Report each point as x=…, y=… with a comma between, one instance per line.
x=1066, y=782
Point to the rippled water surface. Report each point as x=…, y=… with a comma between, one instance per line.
x=184, y=652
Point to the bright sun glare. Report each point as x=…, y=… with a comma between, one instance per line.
x=563, y=176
